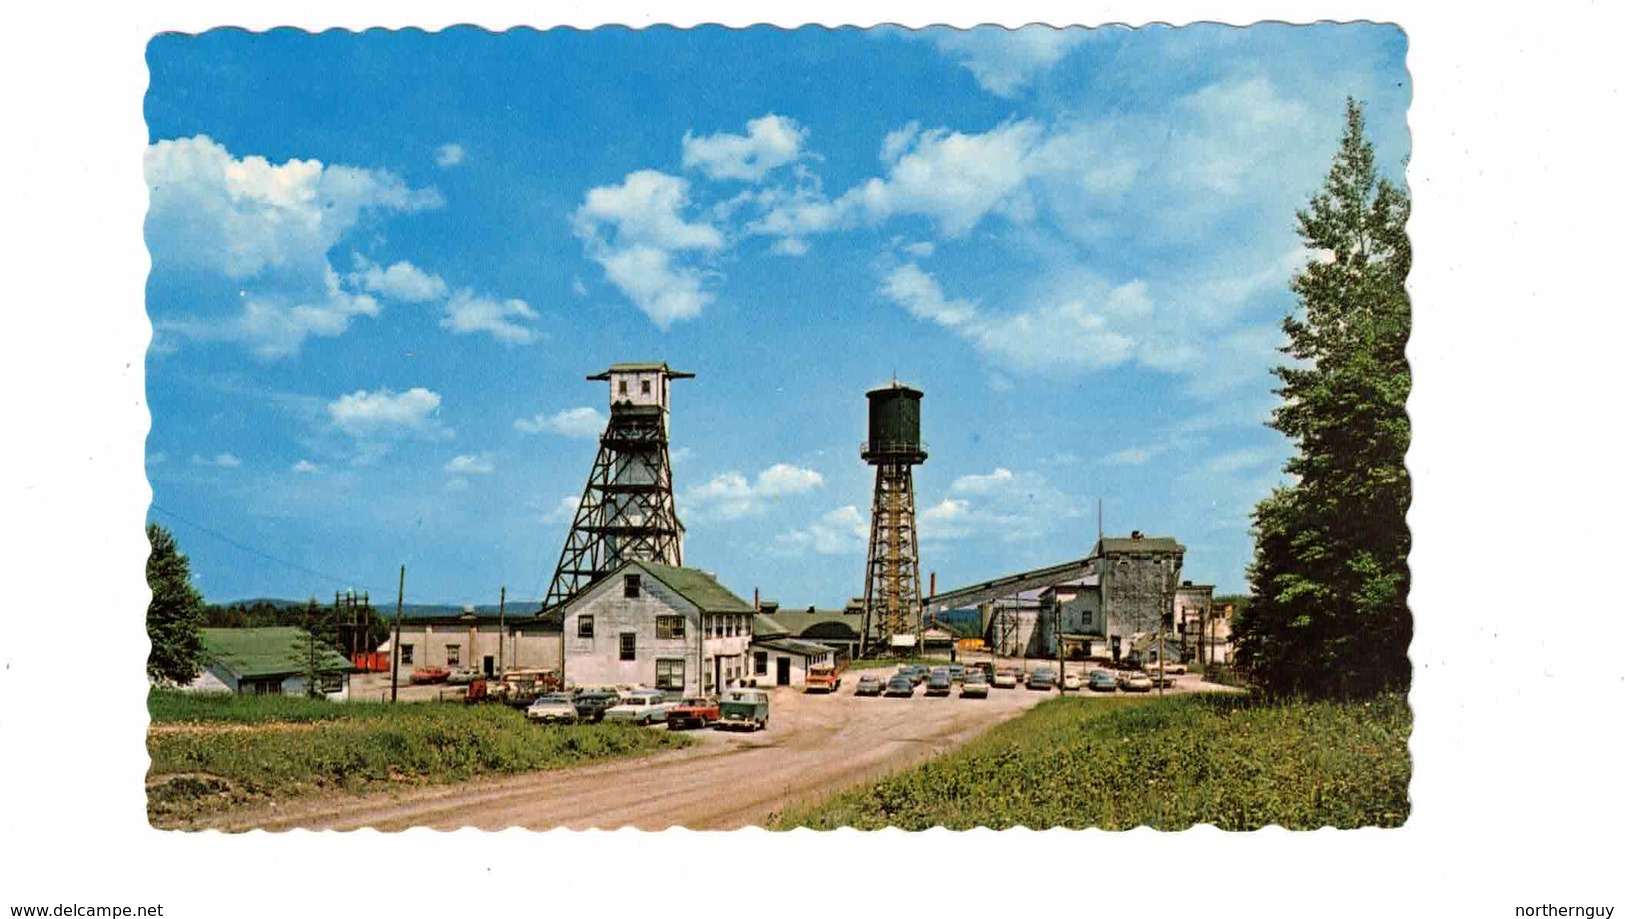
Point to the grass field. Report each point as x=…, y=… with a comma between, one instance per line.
x=1168, y=763
x=214, y=751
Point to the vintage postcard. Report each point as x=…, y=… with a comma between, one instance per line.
x=723, y=428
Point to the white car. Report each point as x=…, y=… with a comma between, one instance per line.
x=1006, y=678
x=1072, y=680
x=554, y=708
x=639, y=707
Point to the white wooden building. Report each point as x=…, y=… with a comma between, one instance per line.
x=673, y=629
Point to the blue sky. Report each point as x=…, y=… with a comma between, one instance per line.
x=383, y=264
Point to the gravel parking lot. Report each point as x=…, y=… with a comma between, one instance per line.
x=814, y=745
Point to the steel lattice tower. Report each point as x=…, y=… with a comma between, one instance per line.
x=891, y=591
x=627, y=510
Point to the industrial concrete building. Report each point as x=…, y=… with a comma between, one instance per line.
x=489, y=643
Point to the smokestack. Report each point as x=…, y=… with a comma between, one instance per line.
x=756, y=599
x=933, y=584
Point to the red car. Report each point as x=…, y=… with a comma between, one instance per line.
x=693, y=713
x=430, y=675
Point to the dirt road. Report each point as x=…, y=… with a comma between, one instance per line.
x=814, y=745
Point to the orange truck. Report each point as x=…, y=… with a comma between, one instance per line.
x=823, y=678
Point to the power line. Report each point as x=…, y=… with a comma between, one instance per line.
x=347, y=582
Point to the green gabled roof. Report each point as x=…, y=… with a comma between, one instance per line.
x=1143, y=544
x=792, y=645
x=766, y=627
x=697, y=587
x=269, y=651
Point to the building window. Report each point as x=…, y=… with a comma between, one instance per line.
x=1088, y=618
x=634, y=586
x=668, y=627
x=454, y=655
x=629, y=646
x=645, y=387
x=406, y=654
x=761, y=663
x=669, y=674
x=584, y=625
x=623, y=387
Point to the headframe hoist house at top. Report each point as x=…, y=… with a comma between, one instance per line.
x=629, y=611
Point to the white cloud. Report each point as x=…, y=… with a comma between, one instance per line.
x=470, y=464
x=1239, y=460
x=564, y=510
x=1005, y=60
x=306, y=467
x=366, y=415
x=1072, y=335
x=785, y=479
x=267, y=228
x=791, y=246
x=1001, y=504
x=468, y=312
x=1132, y=456
x=922, y=249
x=578, y=287
x=730, y=495
x=843, y=531
x=402, y=281
x=219, y=460
x=955, y=179
x=448, y=155
x=636, y=232
x=583, y=422
x=768, y=143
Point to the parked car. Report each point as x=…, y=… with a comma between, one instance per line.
x=463, y=676
x=1071, y=681
x=742, y=708
x=823, y=678
x=917, y=673
x=697, y=712
x=1164, y=679
x=900, y=685
x=957, y=672
x=639, y=707
x=940, y=683
x=869, y=685
x=975, y=686
x=520, y=687
x=1135, y=681
x=591, y=705
x=1042, y=679
x=553, y=708
x=1006, y=678
x=1102, y=681
x=430, y=675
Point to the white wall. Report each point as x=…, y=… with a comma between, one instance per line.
x=595, y=660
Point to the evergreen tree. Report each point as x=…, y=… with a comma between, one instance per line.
x=317, y=633
x=1330, y=577
x=175, y=615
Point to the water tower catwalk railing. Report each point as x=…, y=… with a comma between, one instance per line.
x=891, y=595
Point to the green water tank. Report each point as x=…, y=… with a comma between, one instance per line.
x=894, y=425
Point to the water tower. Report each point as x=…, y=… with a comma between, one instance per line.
x=891, y=592
x=627, y=510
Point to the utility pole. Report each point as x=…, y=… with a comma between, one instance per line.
x=1060, y=643
x=502, y=627
x=395, y=644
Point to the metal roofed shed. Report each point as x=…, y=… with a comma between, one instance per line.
x=270, y=660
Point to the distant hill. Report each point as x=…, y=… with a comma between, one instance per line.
x=408, y=611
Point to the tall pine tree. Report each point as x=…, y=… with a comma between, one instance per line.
x=175, y=615
x=1330, y=577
